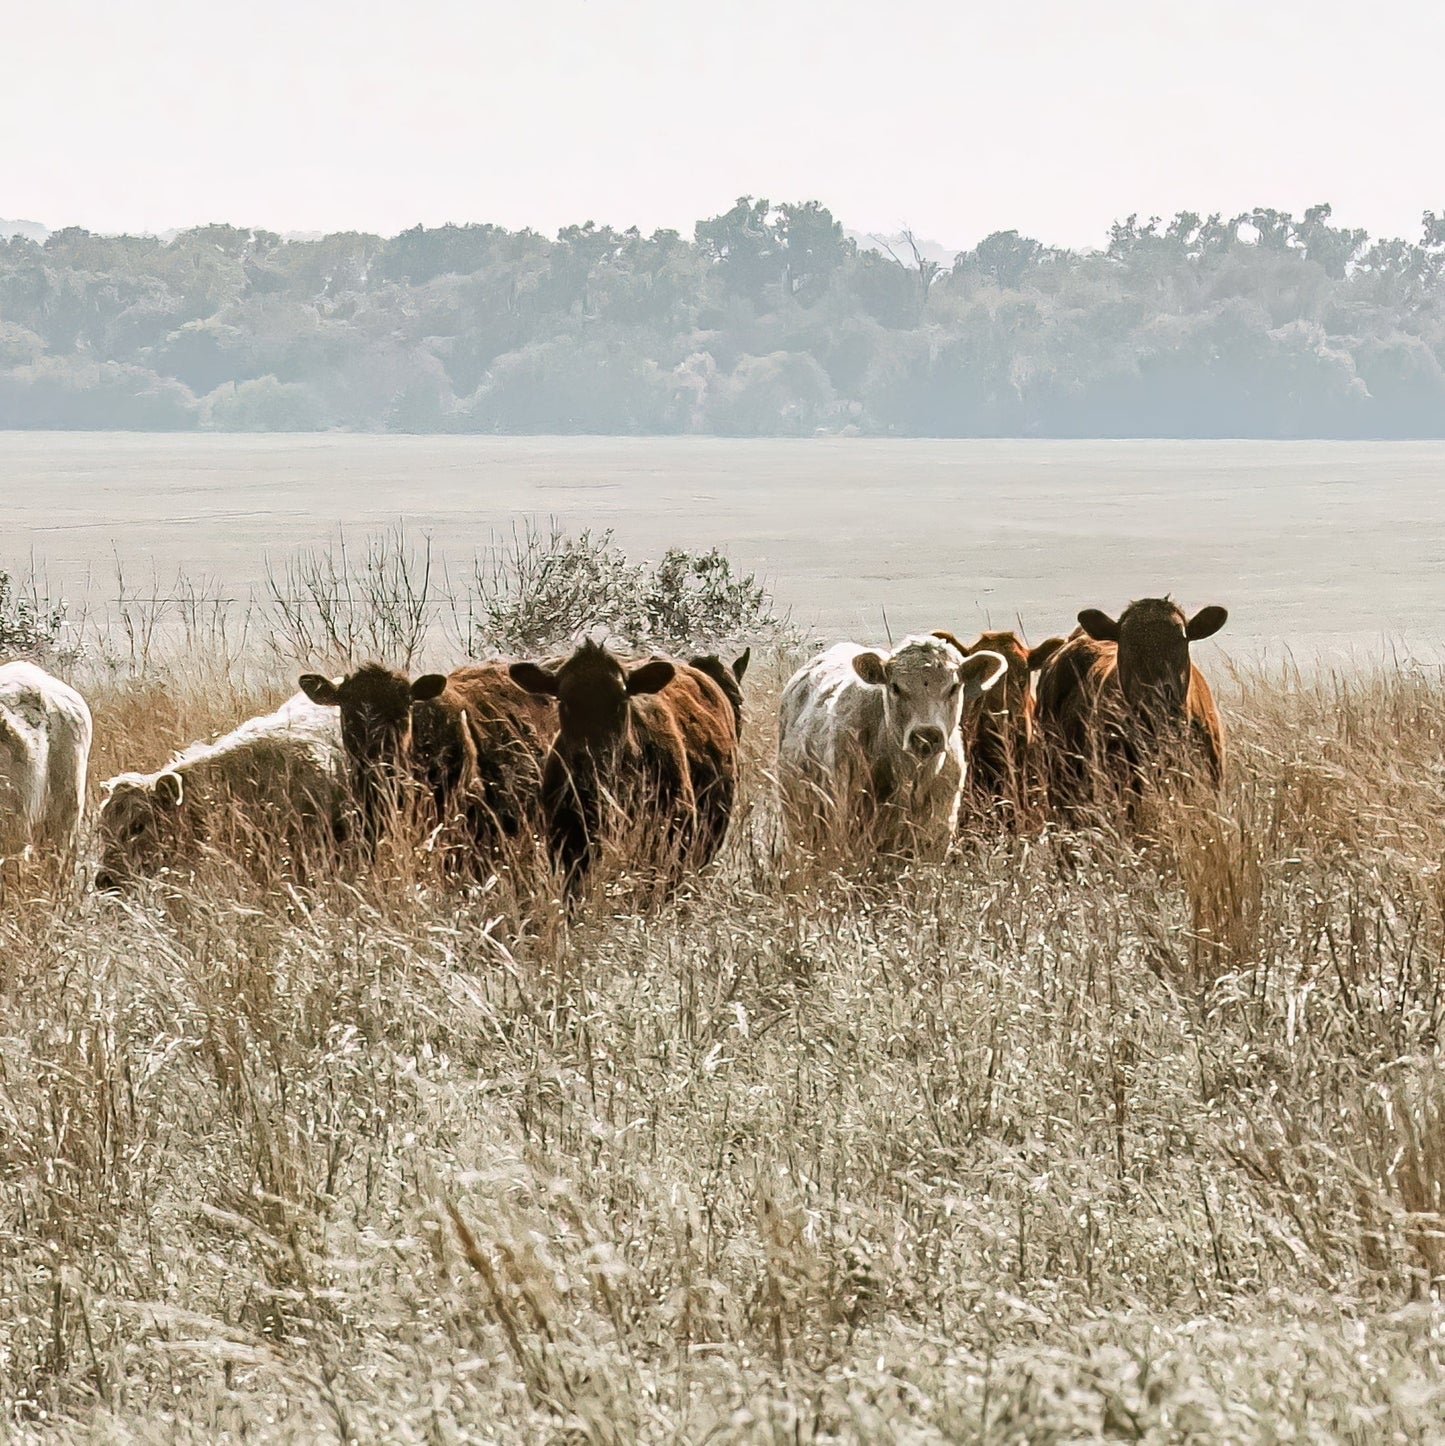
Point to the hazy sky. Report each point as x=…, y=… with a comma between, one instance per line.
x=1054, y=117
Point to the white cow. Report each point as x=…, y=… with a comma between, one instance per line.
x=271, y=791
x=869, y=741
x=45, y=732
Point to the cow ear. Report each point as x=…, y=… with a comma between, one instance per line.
x=428, y=686
x=650, y=677
x=980, y=671
x=1206, y=622
x=872, y=668
x=1042, y=652
x=533, y=678
x=321, y=689
x=1099, y=626
x=951, y=640
x=740, y=663
x=170, y=790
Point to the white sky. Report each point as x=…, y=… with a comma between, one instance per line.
x=1055, y=117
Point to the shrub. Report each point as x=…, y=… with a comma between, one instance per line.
x=538, y=591
x=694, y=599
x=535, y=591
x=264, y=404
x=28, y=625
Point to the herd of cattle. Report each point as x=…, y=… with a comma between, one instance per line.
x=876, y=748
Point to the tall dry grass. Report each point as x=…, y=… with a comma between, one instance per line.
x=1069, y=1138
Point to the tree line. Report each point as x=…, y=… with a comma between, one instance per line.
x=769, y=321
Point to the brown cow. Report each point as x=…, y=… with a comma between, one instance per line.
x=728, y=677
x=999, y=732
x=470, y=742
x=655, y=741
x=1120, y=699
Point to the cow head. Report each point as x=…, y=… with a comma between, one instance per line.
x=141, y=823
x=1153, y=637
x=1010, y=698
x=375, y=704
x=376, y=726
x=593, y=692
x=925, y=684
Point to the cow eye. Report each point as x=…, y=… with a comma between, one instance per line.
x=136, y=830
x=953, y=691
x=897, y=690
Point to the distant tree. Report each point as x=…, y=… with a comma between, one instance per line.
x=262, y=405
x=768, y=320
x=813, y=246
x=1330, y=247
x=420, y=254
x=919, y=270
x=786, y=394
x=574, y=385
x=1003, y=259
x=745, y=248
x=58, y=393
x=231, y=241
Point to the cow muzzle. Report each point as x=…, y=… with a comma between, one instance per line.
x=926, y=743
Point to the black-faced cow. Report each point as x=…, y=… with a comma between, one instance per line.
x=651, y=745
x=469, y=745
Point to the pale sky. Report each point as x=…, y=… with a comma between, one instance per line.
x=1054, y=117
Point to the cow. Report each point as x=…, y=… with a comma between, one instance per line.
x=728, y=677
x=1122, y=699
x=1003, y=783
x=45, y=735
x=272, y=791
x=869, y=741
x=470, y=743
x=651, y=743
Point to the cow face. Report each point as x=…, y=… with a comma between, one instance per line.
x=1153, y=637
x=140, y=825
x=593, y=692
x=375, y=704
x=925, y=685
x=1009, y=698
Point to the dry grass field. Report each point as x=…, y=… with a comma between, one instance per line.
x=1071, y=1138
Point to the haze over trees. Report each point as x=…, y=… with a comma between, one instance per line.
x=769, y=321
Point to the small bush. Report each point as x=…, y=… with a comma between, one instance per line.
x=328, y=604
x=264, y=404
x=28, y=625
x=695, y=598
x=535, y=590
x=539, y=591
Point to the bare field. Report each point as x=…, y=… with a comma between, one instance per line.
x=1332, y=548
x=1069, y=1139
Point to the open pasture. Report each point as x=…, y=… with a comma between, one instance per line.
x=1315, y=547
x=1074, y=1136
x=1070, y=1137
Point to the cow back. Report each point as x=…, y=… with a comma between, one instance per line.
x=291, y=760
x=45, y=737
x=704, y=718
x=501, y=733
